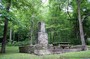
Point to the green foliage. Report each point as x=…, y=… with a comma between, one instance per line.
x=20, y=43
x=61, y=24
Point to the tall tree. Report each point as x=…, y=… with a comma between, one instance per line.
x=81, y=26
x=5, y=27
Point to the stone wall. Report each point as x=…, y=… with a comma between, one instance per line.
x=38, y=50
x=26, y=49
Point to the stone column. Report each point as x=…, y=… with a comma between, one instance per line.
x=42, y=46
x=42, y=36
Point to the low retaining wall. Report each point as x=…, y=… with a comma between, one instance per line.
x=26, y=49
x=57, y=50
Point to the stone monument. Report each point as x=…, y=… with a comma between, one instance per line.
x=42, y=46
x=42, y=36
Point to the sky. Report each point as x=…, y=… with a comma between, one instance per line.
x=45, y=1
x=88, y=0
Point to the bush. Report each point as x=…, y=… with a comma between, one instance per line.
x=88, y=41
x=20, y=43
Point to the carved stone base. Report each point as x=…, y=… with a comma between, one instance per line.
x=42, y=52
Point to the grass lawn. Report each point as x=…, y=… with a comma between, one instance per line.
x=13, y=53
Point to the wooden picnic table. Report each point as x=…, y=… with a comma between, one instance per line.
x=62, y=44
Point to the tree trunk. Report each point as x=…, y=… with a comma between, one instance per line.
x=14, y=36
x=81, y=26
x=31, y=32
x=5, y=27
x=10, y=35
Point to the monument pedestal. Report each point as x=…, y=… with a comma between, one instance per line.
x=43, y=39
x=42, y=47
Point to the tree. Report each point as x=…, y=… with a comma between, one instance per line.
x=5, y=27
x=81, y=26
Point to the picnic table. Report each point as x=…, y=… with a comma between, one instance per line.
x=62, y=44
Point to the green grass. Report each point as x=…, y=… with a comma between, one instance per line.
x=13, y=53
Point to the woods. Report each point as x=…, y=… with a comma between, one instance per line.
x=66, y=21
